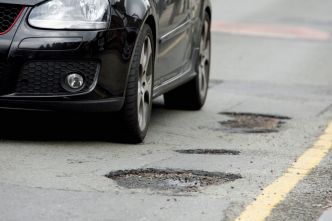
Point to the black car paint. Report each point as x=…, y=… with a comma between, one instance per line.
x=23, y=2
x=176, y=49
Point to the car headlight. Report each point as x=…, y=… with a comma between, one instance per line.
x=71, y=14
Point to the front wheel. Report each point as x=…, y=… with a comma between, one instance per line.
x=138, y=101
x=192, y=95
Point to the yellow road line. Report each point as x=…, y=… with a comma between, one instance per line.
x=275, y=193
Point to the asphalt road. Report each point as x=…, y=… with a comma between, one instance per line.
x=269, y=57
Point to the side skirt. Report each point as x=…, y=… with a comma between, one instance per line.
x=173, y=83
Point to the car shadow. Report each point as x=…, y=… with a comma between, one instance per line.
x=21, y=125
x=50, y=126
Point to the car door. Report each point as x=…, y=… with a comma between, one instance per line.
x=174, y=42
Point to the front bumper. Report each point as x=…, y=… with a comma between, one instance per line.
x=33, y=63
x=97, y=105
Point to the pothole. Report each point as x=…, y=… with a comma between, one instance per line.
x=215, y=82
x=253, y=123
x=209, y=151
x=170, y=180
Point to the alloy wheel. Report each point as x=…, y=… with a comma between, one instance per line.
x=144, y=93
x=204, y=62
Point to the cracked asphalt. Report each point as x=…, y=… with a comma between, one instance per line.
x=53, y=166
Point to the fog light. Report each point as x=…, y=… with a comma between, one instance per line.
x=75, y=81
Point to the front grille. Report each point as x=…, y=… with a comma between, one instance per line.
x=46, y=78
x=6, y=82
x=8, y=16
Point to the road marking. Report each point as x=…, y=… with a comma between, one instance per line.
x=327, y=215
x=275, y=193
x=271, y=30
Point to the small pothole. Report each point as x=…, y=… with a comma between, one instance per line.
x=209, y=151
x=170, y=180
x=253, y=123
x=215, y=82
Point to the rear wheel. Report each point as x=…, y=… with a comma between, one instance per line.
x=138, y=101
x=192, y=95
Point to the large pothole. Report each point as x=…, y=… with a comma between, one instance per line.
x=168, y=179
x=209, y=151
x=253, y=123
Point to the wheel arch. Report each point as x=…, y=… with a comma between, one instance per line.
x=150, y=20
x=152, y=24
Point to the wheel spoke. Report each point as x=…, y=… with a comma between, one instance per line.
x=149, y=84
x=148, y=52
x=206, y=34
x=146, y=55
x=143, y=80
x=139, y=90
x=204, y=79
x=143, y=112
x=205, y=57
x=200, y=77
x=139, y=108
x=202, y=46
x=143, y=59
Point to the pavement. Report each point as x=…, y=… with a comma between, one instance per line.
x=56, y=171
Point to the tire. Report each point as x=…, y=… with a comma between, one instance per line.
x=137, y=107
x=192, y=95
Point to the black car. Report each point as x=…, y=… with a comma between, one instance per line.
x=105, y=56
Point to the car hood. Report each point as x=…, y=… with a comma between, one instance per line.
x=22, y=2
